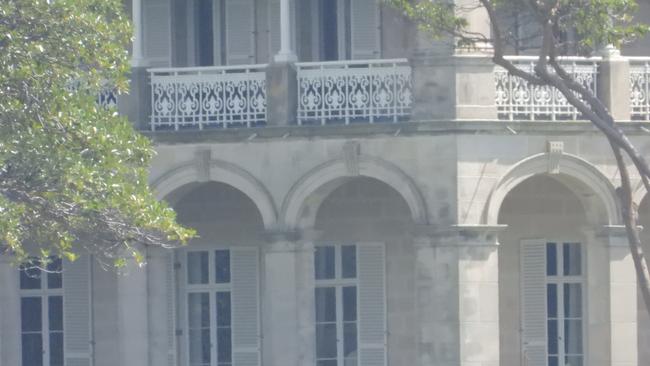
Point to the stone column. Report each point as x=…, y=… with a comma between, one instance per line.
x=158, y=271
x=287, y=33
x=436, y=299
x=454, y=83
x=285, y=302
x=614, y=83
x=136, y=53
x=478, y=294
x=133, y=327
x=10, y=314
x=622, y=298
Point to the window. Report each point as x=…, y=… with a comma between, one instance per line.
x=564, y=307
x=41, y=314
x=335, y=271
x=208, y=296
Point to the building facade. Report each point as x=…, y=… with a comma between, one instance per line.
x=363, y=196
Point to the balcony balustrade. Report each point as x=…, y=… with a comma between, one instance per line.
x=208, y=97
x=516, y=99
x=350, y=92
x=639, y=88
x=344, y=92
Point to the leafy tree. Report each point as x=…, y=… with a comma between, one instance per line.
x=594, y=24
x=73, y=175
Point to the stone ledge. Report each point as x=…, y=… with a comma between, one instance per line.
x=402, y=129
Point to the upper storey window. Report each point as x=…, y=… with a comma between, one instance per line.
x=331, y=30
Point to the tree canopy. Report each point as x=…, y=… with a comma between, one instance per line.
x=73, y=175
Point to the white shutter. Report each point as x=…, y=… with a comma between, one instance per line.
x=245, y=306
x=364, y=25
x=76, y=312
x=170, y=284
x=157, y=31
x=533, y=301
x=274, y=27
x=372, y=304
x=240, y=32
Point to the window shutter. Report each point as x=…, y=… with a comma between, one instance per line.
x=372, y=304
x=170, y=284
x=365, y=29
x=245, y=306
x=76, y=313
x=274, y=27
x=157, y=31
x=240, y=32
x=533, y=303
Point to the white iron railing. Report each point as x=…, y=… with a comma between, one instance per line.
x=204, y=97
x=354, y=91
x=640, y=88
x=517, y=100
x=107, y=98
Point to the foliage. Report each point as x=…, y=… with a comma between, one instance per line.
x=73, y=175
x=595, y=24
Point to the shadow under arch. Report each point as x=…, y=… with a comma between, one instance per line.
x=301, y=203
x=580, y=176
x=186, y=176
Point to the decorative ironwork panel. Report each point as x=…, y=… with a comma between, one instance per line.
x=516, y=99
x=208, y=97
x=107, y=98
x=354, y=91
x=639, y=89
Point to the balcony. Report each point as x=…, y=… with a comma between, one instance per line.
x=516, y=99
x=208, y=97
x=357, y=92
x=344, y=92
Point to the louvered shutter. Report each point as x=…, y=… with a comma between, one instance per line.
x=170, y=285
x=372, y=304
x=533, y=301
x=365, y=29
x=157, y=31
x=240, y=32
x=76, y=312
x=245, y=306
x=274, y=27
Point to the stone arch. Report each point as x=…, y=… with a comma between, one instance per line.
x=188, y=174
x=578, y=174
x=307, y=194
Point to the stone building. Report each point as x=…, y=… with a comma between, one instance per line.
x=363, y=195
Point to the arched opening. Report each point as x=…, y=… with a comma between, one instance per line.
x=217, y=276
x=219, y=213
x=643, y=318
x=364, y=262
x=544, y=258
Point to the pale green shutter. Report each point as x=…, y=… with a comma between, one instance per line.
x=76, y=312
x=364, y=26
x=533, y=301
x=240, y=32
x=372, y=304
x=157, y=31
x=245, y=307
